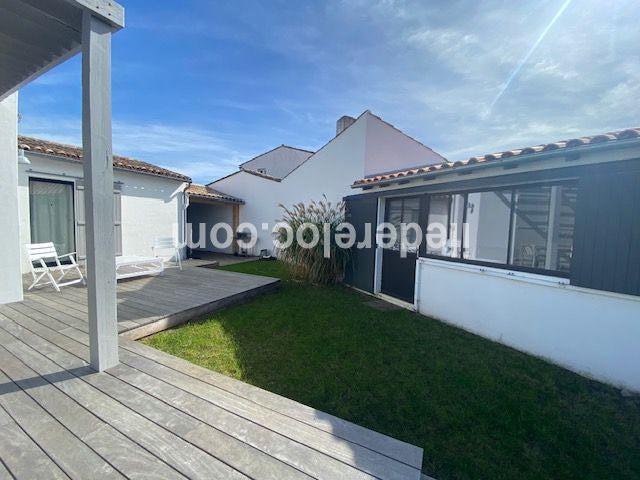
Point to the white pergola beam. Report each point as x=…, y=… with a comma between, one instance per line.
x=107, y=10
x=98, y=176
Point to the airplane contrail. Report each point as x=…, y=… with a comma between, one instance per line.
x=524, y=60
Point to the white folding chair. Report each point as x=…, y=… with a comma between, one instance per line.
x=167, y=245
x=38, y=254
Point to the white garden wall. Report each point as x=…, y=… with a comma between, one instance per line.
x=591, y=332
x=152, y=206
x=11, y=279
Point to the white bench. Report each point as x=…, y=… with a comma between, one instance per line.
x=168, y=249
x=137, y=266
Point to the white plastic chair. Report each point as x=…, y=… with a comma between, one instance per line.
x=38, y=253
x=166, y=245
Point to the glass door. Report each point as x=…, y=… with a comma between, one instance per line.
x=398, y=267
x=52, y=217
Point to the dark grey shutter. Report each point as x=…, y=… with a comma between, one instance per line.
x=81, y=246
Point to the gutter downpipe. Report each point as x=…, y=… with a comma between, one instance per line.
x=185, y=202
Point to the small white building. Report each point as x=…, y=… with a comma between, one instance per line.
x=286, y=175
x=149, y=201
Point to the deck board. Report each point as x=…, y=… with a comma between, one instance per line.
x=157, y=416
x=21, y=455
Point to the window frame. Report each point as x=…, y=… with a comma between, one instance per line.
x=505, y=266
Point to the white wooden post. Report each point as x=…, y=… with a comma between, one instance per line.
x=11, y=278
x=98, y=176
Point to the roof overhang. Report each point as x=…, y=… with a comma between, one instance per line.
x=571, y=154
x=204, y=194
x=213, y=201
x=37, y=35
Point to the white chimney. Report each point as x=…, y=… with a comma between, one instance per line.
x=343, y=123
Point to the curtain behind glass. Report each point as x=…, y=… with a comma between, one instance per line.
x=51, y=206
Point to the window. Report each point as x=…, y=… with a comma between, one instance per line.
x=438, y=224
x=488, y=217
x=51, y=214
x=444, y=225
x=530, y=228
x=404, y=211
x=543, y=227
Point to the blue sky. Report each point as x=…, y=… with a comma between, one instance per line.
x=200, y=86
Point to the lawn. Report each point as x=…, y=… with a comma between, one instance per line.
x=479, y=409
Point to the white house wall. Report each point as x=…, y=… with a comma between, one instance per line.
x=261, y=197
x=329, y=172
x=366, y=145
x=11, y=279
x=590, y=332
x=388, y=149
x=152, y=206
x=278, y=162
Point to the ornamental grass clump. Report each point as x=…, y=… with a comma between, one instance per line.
x=307, y=256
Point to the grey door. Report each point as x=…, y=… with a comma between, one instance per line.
x=398, y=269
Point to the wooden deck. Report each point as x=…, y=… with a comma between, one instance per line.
x=150, y=304
x=157, y=416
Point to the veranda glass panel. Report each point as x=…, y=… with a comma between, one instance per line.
x=562, y=221
x=543, y=227
x=438, y=224
x=531, y=227
x=394, y=217
x=456, y=226
x=444, y=225
x=411, y=214
x=488, y=216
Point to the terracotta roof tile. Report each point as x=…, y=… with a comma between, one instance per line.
x=629, y=133
x=202, y=191
x=75, y=153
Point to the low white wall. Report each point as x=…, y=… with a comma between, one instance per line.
x=11, y=278
x=152, y=206
x=588, y=331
